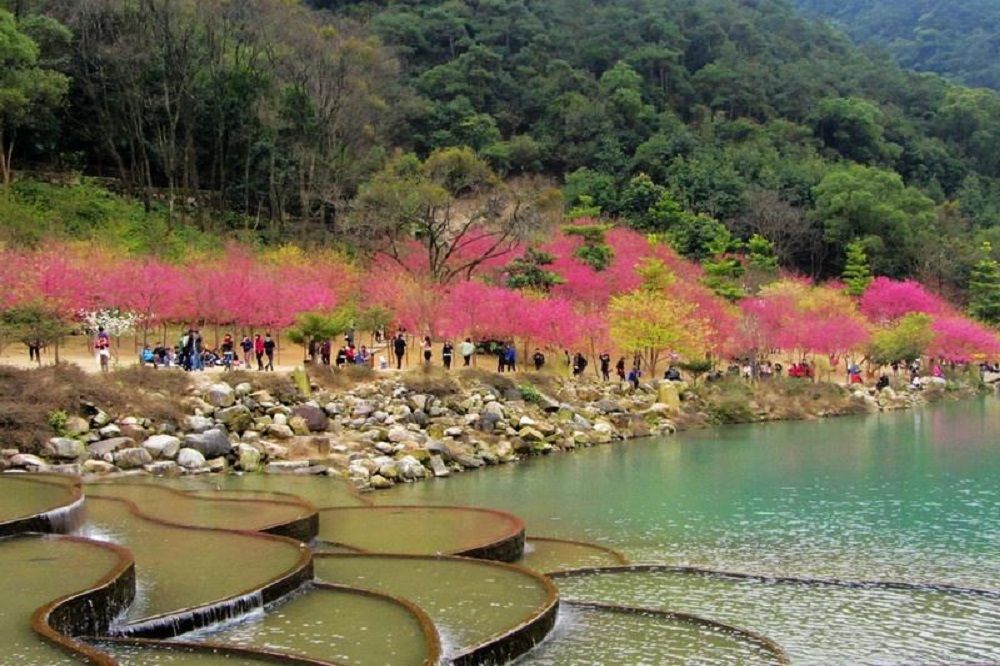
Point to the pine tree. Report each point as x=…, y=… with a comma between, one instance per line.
x=857, y=273
x=984, y=288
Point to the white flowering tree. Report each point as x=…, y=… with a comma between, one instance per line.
x=115, y=323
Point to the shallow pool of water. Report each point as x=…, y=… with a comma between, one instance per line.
x=178, y=568
x=469, y=601
x=36, y=571
x=22, y=496
x=586, y=636
x=340, y=626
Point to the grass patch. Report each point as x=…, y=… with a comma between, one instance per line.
x=339, y=379
x=499, y=383
x=431, y=381
x=34, y=404
x=278, y=384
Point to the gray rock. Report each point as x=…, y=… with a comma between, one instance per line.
x=109, y=431
x=64, y=448
x=100, y=419
x=163, y=468
x=280, y=431
x=217, y=465
x=198, y=424
x=28, y=461
x=72, y=469
x=97, y=467
x=438, y=467
x=530, y=435
x=488, y=421
x=133, y=458
x=162, y=446
x=379, y=482
x=249, y=458
x=286, y=466
x=469, y=461
x=103, y=449
x=190, y=459
x=410, y=468
x=220, y=395
x=236, y=418
x=133, y=430
x=211, y=443
x=76, y=426
x=275, y=451
x=494, y=408
x=399, y=434
x=314, y=417
x=243, y=389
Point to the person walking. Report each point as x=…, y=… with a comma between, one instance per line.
x=502, y=358
x=511, y=357
x=228, y=352
x=258, y=350
x=428, y=348
x=103, y=349
x=539, y=360
x=468, y=349
x=620, y=368
x=447, y=353
x=246, y=344
x=196, y=346
x=399, y=348
x=269, y=346
x=605, y=359
x=325, y=349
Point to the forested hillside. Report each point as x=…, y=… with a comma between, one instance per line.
x=959, y=39
x=703, y=121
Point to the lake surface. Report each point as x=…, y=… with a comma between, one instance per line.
x=911, y=496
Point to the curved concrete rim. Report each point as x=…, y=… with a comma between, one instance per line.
x=174, y=623
x=114, y=591
x=503, y=646
x=507, y=548
x=210, y=647
x=41, y=521
x=747, y=635
x=303, y=528
x=790, y=580
x=616, y=554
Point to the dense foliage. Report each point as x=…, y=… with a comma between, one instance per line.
x=706, y=123
x=955, y=38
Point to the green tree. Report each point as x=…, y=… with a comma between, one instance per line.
x=595, y=252
x=984, y=288
x=528, y=272
x=27, y=88
x=906, y=341
x=857, y=273
x=312, y=328
x=33, y=324
x=893, y=220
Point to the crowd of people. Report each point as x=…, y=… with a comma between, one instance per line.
x=192, y=355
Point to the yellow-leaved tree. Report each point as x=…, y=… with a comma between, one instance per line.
x=651, y=323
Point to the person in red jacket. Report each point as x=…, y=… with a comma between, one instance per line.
x=258, y=350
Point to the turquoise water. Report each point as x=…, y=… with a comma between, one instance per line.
x=911, y=496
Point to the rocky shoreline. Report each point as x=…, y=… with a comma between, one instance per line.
x=418, y=425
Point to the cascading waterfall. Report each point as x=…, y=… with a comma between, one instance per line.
x=176, y=624
x=66, y=519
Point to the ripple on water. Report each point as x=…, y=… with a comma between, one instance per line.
x=586, y=636
x=818, y=624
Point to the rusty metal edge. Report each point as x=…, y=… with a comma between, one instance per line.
x=508, y=548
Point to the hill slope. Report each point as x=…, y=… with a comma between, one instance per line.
x=959, y=39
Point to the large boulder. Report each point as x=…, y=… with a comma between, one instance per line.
x=667, y=394
x=133, y=458
x=28, y=462
x=198, y=424
x=76, y=426
x=249, y=457
x=279, y=431
x=190, y=459
x=64, y=448
x=162, y=446
x=104, y=449
x=211, y=443
x=314, y=417
x=220, y=395
x=236, y=418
